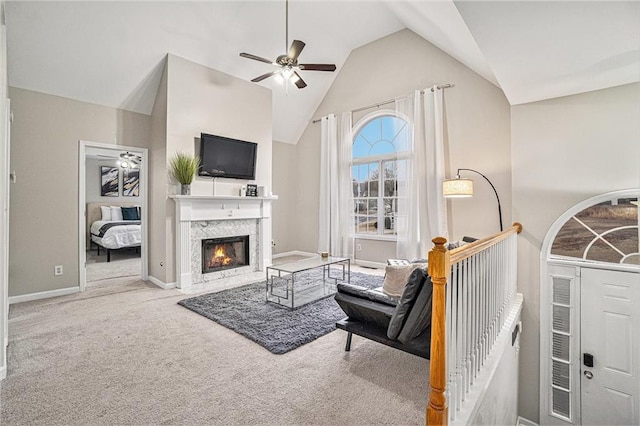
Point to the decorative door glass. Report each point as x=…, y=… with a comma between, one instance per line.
x=605, y=232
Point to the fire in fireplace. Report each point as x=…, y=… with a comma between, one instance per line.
x=225, y=253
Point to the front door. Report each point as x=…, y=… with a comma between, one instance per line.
x=610, y=341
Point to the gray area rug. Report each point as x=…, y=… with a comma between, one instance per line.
x=276, y=328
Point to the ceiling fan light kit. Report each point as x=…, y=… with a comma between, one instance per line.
x=288, y=64
x=129, y=161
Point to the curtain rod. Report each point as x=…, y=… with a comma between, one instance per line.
x=379, y=104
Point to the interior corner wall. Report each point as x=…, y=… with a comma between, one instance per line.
x=200, y=99
x=159, y=228
x=477, y=132
x=45, y=137
x=564, y=150
x=284, y=185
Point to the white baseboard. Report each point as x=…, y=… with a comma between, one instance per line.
x=3, y=372
x=161, y=284
x=294, y=253
x=43, y=295
x=368, y=264
x=526, y=422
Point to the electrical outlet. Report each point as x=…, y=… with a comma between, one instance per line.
x=358, y=247
x=57, y=270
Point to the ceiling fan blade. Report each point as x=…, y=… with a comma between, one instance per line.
x=317, y=67
x=295, y=49
x=263, y=76
x=300, y=82
x=255, y=58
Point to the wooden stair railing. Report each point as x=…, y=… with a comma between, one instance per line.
x=439, y=266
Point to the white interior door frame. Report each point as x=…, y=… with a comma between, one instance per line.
x=5, y=183
x=82, y=205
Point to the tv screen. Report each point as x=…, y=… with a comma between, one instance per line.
x=226, y=157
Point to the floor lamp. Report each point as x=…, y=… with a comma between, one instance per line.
x=461, y=188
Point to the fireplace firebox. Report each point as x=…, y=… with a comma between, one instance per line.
x=224, y=253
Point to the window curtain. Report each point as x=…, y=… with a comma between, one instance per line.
x=335, y=203
x=422, y=213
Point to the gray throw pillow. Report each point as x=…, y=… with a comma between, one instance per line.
x=396, y=277
x=419, y=319
x=404, y=306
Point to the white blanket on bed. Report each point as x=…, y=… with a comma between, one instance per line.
x=117, y=236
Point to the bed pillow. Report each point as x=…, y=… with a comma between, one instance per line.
x=106, y=212
x=130, y=213
x=116, y=213
x=396, y=277
x=409, y=295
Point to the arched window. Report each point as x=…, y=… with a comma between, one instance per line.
x=603, y=232
x=379, y=169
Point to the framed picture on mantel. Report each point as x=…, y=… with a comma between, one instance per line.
x=252, y=190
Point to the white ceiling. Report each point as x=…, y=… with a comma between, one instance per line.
x=112, y=53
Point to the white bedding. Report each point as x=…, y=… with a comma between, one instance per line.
x=117, y=236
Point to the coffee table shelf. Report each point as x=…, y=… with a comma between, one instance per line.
x=286, y=287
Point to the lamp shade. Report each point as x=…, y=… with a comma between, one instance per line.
x=457, y=188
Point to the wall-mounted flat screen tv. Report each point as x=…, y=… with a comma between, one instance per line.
x=226, y=157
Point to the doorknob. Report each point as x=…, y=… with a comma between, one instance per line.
x=588, y=375
x=587, y=359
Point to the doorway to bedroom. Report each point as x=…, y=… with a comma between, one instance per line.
x=112, y=211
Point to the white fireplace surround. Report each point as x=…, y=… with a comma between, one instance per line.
x=209, y=210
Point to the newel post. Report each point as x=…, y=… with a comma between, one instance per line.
x=437, y=411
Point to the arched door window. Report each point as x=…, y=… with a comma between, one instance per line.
x=604, y=232
x=378, y=171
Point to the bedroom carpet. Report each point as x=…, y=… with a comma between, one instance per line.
x=123, y=264
x=276, y=328
x=128, y=354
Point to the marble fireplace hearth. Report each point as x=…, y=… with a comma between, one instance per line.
x=205, y=217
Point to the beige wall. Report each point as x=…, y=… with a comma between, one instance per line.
x=374, y=250
x=158, y=224
x=477, y=123
x=564, y=151
x=44, y=200
x=284, y=185
x=199, y=99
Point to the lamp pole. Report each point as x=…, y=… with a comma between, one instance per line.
x=494, y=190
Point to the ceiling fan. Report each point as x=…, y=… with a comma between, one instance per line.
x=288, y=65
x=129, y=161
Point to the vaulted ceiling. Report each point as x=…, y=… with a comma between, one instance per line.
x=112, y=53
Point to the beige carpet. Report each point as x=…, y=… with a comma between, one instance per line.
x=124, y=263
x=126, y=353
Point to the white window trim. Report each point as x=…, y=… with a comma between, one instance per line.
x=403, y=155
x=378, y=237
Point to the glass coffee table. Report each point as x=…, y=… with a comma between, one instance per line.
x=304, y=281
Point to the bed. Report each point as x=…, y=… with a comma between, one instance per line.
x=113, y=233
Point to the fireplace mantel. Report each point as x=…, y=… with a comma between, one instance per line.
x=194, y=208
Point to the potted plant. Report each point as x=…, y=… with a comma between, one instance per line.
x=183, y=168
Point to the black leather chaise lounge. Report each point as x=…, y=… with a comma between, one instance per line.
x=400, y=322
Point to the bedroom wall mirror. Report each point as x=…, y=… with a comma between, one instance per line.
x=112, y=212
